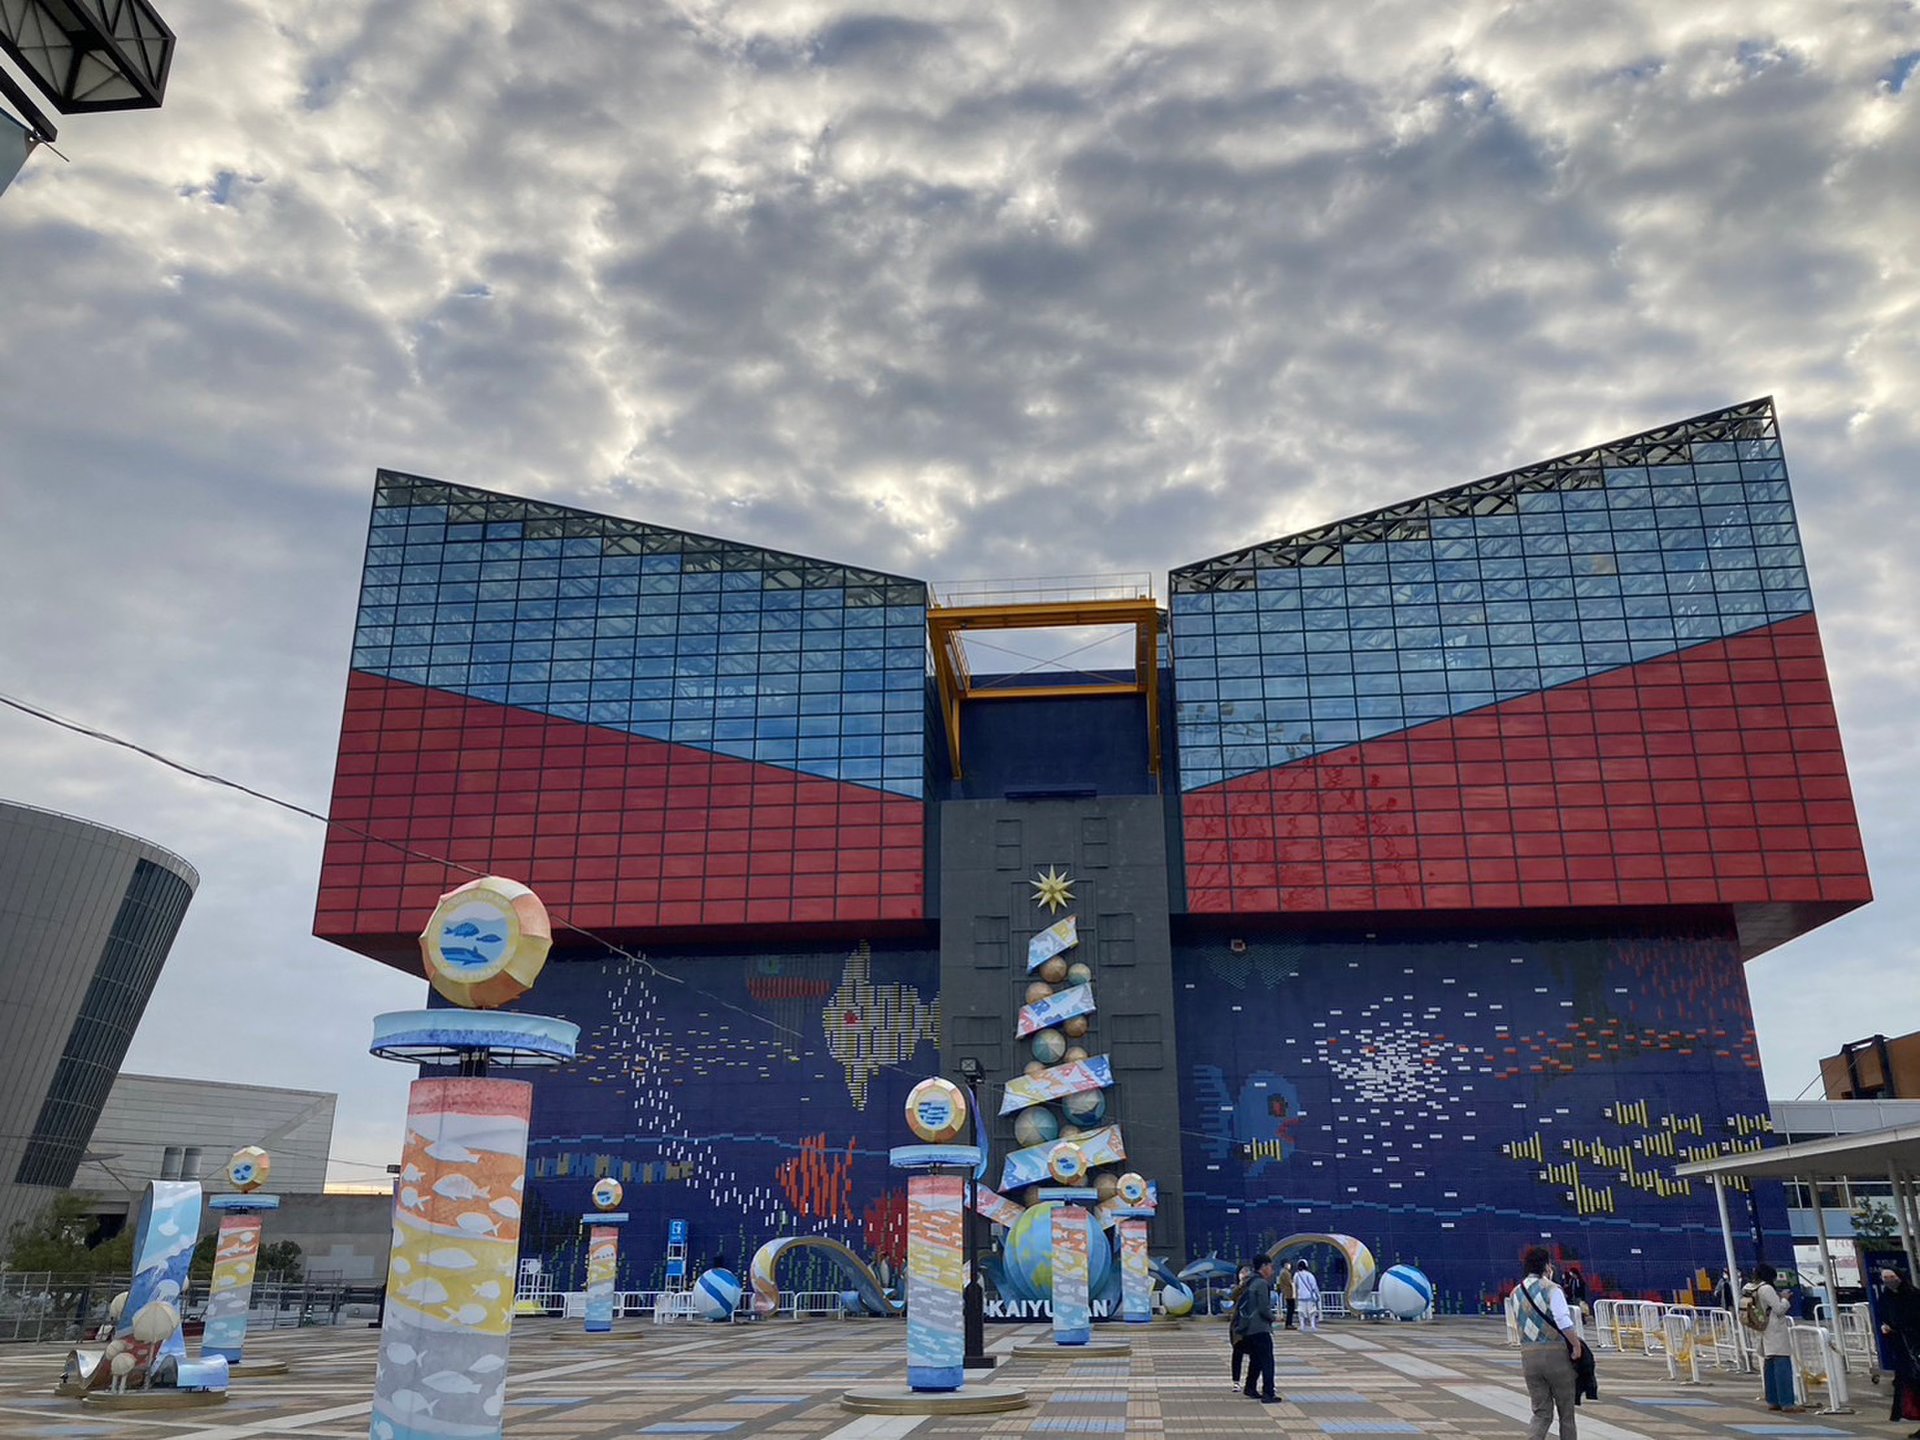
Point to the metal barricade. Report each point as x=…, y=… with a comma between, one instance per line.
x=675, y=1305
x=1680, y=1335
x=1634, y=1326
x=814, y=1303
x=1717, y=1337
x=1333, y=1305
x=1510, y=1311
x=1817, y=1362
x=1603, y=1322
x=1853, y=1332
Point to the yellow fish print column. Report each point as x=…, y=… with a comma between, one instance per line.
x=463, y=1170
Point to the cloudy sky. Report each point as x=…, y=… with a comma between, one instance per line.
x=959, y=289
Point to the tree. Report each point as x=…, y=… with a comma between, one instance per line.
x=281, y=1260
x=54, y=1240
x=1875, y=1226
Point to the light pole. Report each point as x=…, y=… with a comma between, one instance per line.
x=974, y=1300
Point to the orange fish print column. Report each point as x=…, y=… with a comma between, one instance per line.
x=231, y=1293
x=456, y=1238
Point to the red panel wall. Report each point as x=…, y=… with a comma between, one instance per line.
x=1710, y=776
x=616, y=832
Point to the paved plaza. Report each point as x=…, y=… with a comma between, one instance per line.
x=1450, y=1377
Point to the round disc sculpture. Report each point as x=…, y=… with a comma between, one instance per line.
x=235, y=1256
x=456, y=1204
x=603, y=1253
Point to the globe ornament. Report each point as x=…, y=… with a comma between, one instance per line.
x=1086, y=1109
x=1076, y=1027
x=1075, y=1053
x=247, y=1171
x=1049, y=1046
x=1036, y=1125
x=1176, y=1300
x=716, y=1295
x=1105, y=1186
x=937, y=1111
x=607, y=1193
x=1038, y=991
x=1079, y=973
x=1066, y=1164
x=486, y=943
x=1027, y=1255
x=1035, y=1069
x=1404, y=1292
x=1071, y=1132
x=1133, y=1189
x=1054, y=971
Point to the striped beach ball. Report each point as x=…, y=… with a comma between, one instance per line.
x=716, y=1294
x=1405, y=1292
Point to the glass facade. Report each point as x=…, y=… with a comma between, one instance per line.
x=1484, y=593
x=743, y=652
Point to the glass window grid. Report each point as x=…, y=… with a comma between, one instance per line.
x=1687, y=549
x=576, y=629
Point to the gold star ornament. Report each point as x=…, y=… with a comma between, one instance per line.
x=1053, y=890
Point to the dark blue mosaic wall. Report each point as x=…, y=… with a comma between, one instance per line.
x=1451, y=1101
x=760, y=1103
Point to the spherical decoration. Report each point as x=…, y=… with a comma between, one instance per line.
x=1086, y=1109
x=1066, y=1164
x=486, y=943
x=716, y=1294
x=1079, y=973
x=1176, y=1300
x=1038, y=991
x=1035, y=1125
x=1133, y=1189
x=937, y=1111
x=117, y=1306
x=1071, y=1132
x=247, y=1171
x=1076, y=1027
x=1054, y=971
x=1027, y=1256
x=1404, y=1292
x=1035, y=1069
x=1074, y=1052
x=607, y=1193
x=1049, y=1046
x=1105, y=1185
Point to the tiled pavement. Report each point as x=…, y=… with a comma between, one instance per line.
x=1452, y=1377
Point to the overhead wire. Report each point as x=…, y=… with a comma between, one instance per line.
x=107, y=737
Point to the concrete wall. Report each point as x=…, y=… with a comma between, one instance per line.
x=1115, y=850
x=146, y=1116
x=343, y=1237
x=86, y=917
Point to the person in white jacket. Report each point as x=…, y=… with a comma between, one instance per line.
x=1306, y=1290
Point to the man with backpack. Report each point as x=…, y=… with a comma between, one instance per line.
x=1255, y=1318
x=1234, y=1332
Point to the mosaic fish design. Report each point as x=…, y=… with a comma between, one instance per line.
x=871, y=1026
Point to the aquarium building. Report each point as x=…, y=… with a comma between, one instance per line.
x=1415, y=859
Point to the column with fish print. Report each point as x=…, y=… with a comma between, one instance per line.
x=456, y=1240
x=936, y=1261
x=463, y=1169
x=235, y=1252
x=1136, y=1283
x=603, y=1254
x=1072, y=1258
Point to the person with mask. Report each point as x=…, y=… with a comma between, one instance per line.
x=1256, y=1320
x=1900, y=1323
x=1774, y=1310
x=1234, y=1332
x=1306, y=1290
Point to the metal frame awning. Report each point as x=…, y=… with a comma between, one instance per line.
x=1891, y=1154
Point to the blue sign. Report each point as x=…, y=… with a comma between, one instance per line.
x=676, y=1232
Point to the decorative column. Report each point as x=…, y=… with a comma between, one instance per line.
x=456, y=1204
x=603, y=1254
x=1136, y=1285
x=235, y=1257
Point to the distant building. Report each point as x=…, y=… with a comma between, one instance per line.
x=163, y=1127
x=1797, y=1120
x=87, y=915
x=1874, y=1069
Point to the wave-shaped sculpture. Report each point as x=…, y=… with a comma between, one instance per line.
x=1361, y=1266
x=766, y=1290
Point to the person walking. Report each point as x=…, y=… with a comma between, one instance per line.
x=1285, y=1283
x=1307, y=1290
x=1773, y=1310
x=1256, y=1308
x=1234, y=1331
x=1900, y=1323
x=1549, y=1345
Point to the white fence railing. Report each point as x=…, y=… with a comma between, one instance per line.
x=1818, y=1363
